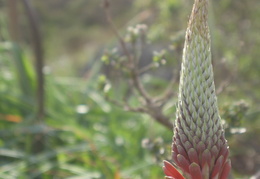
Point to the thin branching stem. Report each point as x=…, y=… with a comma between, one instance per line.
x=132, y=64
x=149, y=104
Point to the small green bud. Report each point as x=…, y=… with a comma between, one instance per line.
x=105, y=59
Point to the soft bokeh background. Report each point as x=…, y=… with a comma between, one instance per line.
x=82, y=135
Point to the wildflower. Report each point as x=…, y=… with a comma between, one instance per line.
x=199, y=147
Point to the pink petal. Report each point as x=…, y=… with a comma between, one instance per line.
x=205, y=171
x=170, y=171
x=182, y=151
x=183, y=163
x=195, y=171
x=217, y=167
x=214, y=151
x=193, y=156
x=200, y=147
x=174, y=157
x=187, y=145
x=206, y=157
x=226, y=170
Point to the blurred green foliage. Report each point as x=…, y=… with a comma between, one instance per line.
x=88, y=137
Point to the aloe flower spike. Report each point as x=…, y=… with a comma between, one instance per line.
x=199, y=147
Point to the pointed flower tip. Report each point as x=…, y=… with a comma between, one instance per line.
x=226, y=170
x=170, y=171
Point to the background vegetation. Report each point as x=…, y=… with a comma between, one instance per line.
x=74, y=131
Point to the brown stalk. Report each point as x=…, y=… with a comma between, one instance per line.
x=13, y=20
x=38, y=140
x=38, y=53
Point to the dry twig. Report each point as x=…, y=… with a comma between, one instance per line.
x=150, y=105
